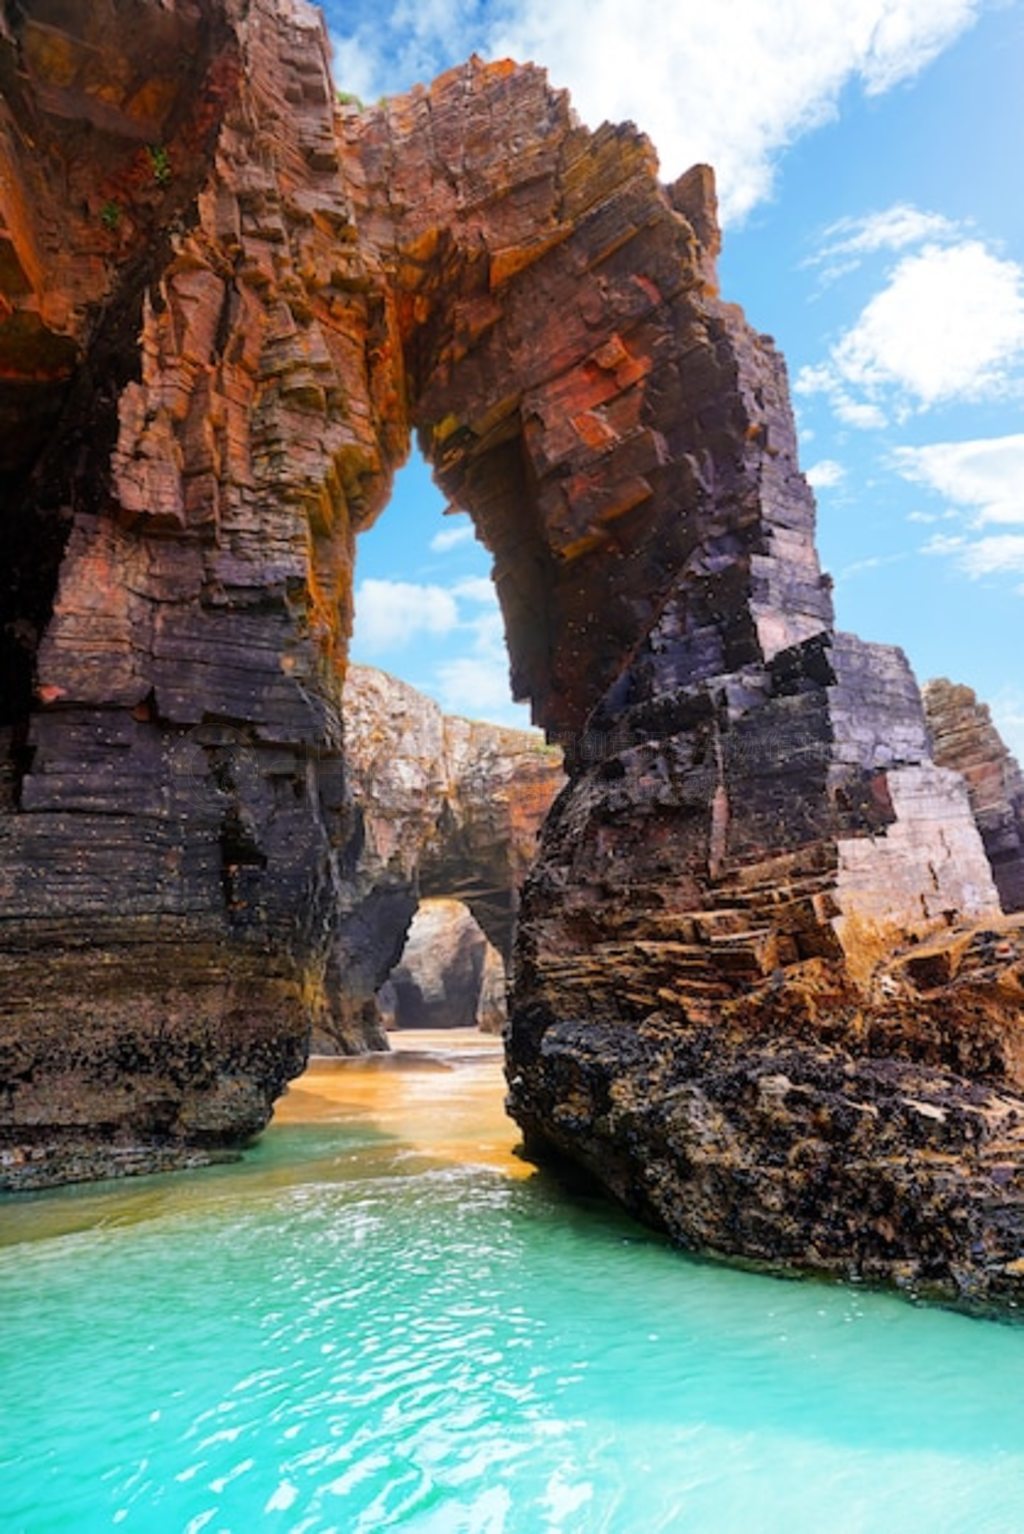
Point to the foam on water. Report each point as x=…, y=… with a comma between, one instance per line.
x=347, y=1333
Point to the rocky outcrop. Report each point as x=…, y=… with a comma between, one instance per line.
x=966, y=740
x=226, y=302
x=492, y=1008
x=183, y=310
x=440, y=980
x=443, y=807
x=866, y=1130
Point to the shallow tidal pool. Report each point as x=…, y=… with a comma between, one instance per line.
x=382, y=1319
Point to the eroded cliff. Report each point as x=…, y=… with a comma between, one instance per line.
x=710, y=1006
x=966, y=740
x=193, y=414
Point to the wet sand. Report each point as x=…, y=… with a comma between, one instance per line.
x=436, y=1099
x=439, y=1090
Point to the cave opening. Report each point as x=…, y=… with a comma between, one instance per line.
x=449, y=974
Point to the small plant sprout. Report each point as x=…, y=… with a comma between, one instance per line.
x=160, y=162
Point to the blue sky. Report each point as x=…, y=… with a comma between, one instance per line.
x=869, y=156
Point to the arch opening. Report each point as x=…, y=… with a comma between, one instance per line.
x=449, y=974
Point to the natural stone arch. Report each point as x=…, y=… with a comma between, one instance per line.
x=244, y=356
x=444, y=807
x=580, y=390
x=448, y=975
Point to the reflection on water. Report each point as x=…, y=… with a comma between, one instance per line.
x=381, y=1319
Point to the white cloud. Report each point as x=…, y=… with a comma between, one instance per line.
x=732, y=83
x=824, y=475
x=856, y=413
x=997, y=554
x=873, y=562
x=948, y=325
x=355, y=68
x=477, y=588
x=450, y=537
x=476, y=683
x=985, y=476
x=472, y=679
x=389, y=614
x=984, y=480
x=476, y=686
x=844, y=245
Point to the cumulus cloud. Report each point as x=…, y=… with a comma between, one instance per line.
x=732, y=83
x=825, y=474
x=986, y=476
x=451, y=537
x=476, y=686
x=477, y=588
x=982, y=483
x=844, y=245
x=472, y=676
x=1000, y=554
x=389, y=614
x=476, y=683
x=948, y=325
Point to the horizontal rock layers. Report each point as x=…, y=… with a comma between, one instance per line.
x=754, y=821
x=966, y=740
x=193, y=415
x=238, y=299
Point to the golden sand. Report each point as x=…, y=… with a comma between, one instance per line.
x=437, y=1098
x=441, y=1091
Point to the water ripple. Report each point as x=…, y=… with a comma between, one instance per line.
x=450, y=1351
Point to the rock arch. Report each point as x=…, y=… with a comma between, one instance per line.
x=240, y=355
x=448, y=976
x=443, y=807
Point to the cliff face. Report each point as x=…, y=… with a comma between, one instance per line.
x=192, y=412
x=442, y=808
x=238, y=299
x=966, y=740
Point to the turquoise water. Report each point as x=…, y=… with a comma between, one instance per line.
x=342, y=1334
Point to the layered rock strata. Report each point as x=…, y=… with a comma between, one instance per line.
x=966, y=740
x=225, y=305
x=194, y=421
x=443, y=808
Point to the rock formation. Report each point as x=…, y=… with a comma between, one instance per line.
x=442, y=807
x=449, y=975
x=226, y=302
x=966, y=740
